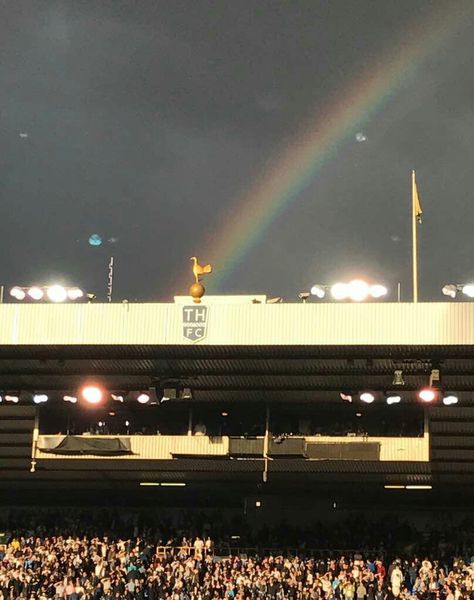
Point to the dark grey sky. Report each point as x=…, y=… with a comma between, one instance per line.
x=146, y=121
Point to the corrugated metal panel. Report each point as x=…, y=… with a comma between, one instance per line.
x=274, y=325
x=16, y=439
x=454, y=427
x=300, y=382
x=444, y=413
x=452, y=467
x=343, y=451
x=12, y=425
x=348, y=466
x=164, y=447
x=452, y=455
x=459, y=441
x=17, y=412
x=391, y=449
x=285, y=366
x=147, y=447
x=246, y=446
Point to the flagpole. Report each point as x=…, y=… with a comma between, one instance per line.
x=414, y=237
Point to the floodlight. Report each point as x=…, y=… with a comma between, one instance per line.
x=427, y=394
x=450, y=399
x=40, y=398
x=143, y=398
x=35, y=293
x=468, y=290
x=56, y=293
x=398, y=377
x=118, y=397
x=75, y=293
x=340, y=291
x=187, y=394
x=303, y=296
x=358, y=290
x=450, y=290
x=318, y=291
x=69, y=398
x=377, y=290
x=18, y=293
x=367, y=397
x=15, y=398
x=393, y=399
x=345, y=397
x=92, y=394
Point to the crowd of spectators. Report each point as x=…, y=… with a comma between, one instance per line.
x=81, y=568
x=57, y=556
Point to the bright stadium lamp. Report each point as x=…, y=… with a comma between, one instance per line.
x=75, y=293
x=358, y=290
x=367, y=397
x=468, y=290
x=377, y=290
x=70, y=398
x=143, y=398
x=17, y=293
x=393, y=399
x=340, y=291
x=450, y=399
x=56, y=293
x=92, y=394
x=53, y=293
x=35, y=293
x=346, y=396
x=318, y=291
x=428, y=394
x=13, y=397
x=40, y=398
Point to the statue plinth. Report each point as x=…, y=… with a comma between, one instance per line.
x=197, y=291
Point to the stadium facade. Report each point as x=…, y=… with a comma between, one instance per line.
x=237, y=353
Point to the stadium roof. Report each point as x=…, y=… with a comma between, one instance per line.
x=232, y=352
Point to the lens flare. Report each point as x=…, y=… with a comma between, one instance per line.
x=92, y=394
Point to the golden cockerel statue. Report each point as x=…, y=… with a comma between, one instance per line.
x=199, y=270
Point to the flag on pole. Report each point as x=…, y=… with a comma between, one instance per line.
x=416, y=201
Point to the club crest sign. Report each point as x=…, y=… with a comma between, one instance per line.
x=195, y=322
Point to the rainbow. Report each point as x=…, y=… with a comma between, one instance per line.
x=293, y=169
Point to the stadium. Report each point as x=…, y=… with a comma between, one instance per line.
x=236, y=300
